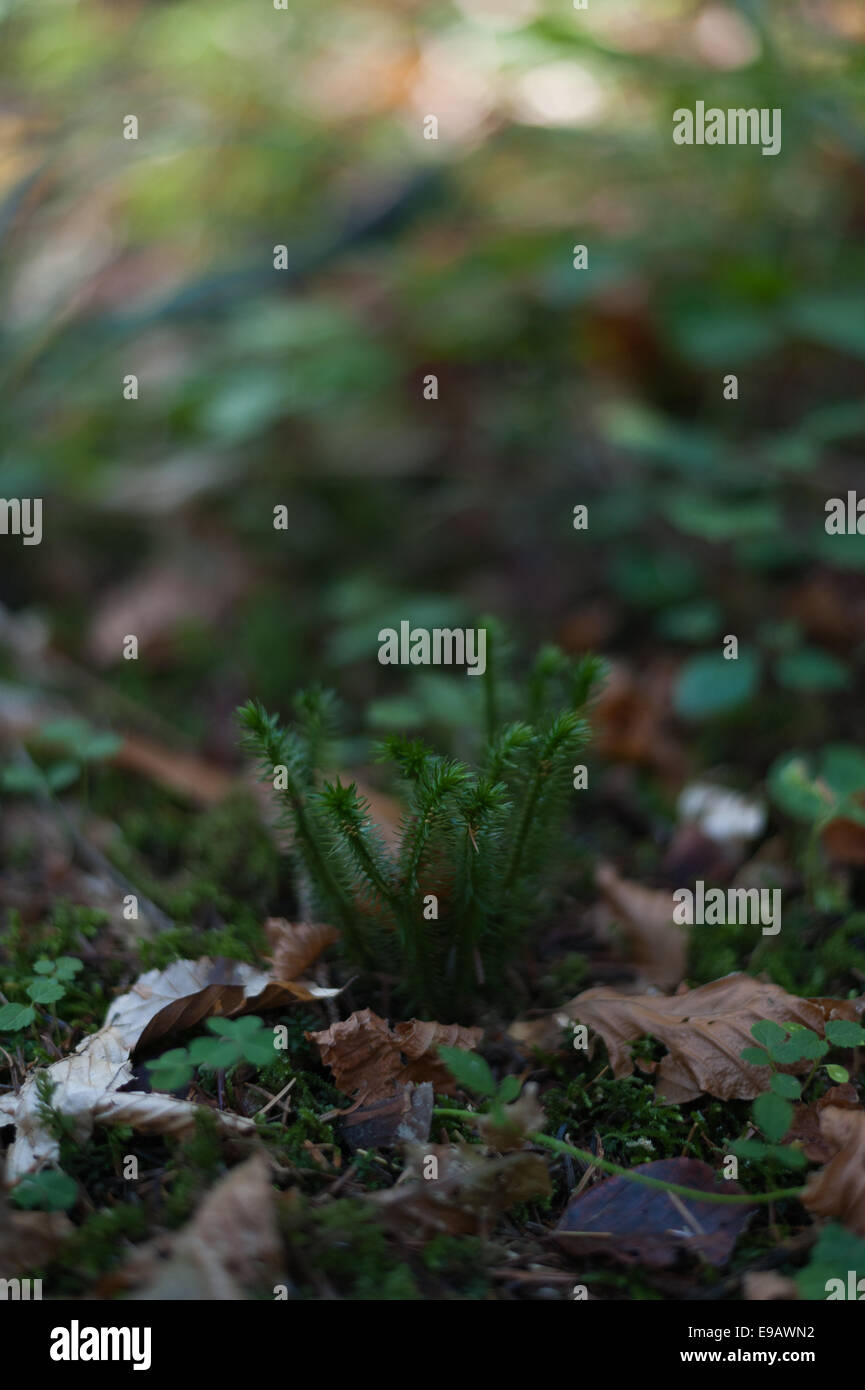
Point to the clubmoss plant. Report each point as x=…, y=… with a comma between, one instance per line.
x=446, y=912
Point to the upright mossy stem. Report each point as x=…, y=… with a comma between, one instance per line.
x=476, y=839
x=566, y=730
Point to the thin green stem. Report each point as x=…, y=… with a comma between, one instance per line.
x=528, y=812
x=559, y=1146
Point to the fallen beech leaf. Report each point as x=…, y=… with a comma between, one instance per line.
x=419, y=1042
x=655, y=944
x=641, y=1225
x=294, y=946
x=186, y=992
x=704, y=1030
x=364, y=1053
x=838, y=1190
x=232, y=1244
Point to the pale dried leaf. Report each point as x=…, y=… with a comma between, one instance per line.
x=153, y=1112
x=158, y=600
x=88, y=1081
x=87, y=1089
x=187, y=991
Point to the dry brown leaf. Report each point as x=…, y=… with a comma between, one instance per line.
x=183, y=994
x=655, y=944
x=704, y=1030
x=806, y=1130
x=838, y=1190
x=294, y=946
x=363, y=1053
x=232, y=1244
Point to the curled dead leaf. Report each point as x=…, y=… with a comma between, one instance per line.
x=294, y=946
x=86, y=1090
x=368, y=1058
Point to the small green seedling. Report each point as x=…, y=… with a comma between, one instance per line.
x=784, y=1044
x=473, y=1073
x=48, y=987
x=237, y=1040
x=50, y=1190
x=78, y=745
x=817, y=790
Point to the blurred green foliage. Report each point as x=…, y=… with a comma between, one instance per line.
x=408, y=257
